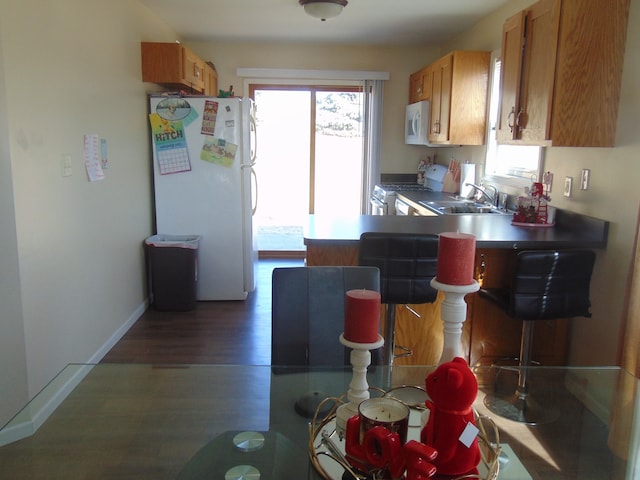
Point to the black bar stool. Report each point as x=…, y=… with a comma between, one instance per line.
x=545, y=285
x=407, y=264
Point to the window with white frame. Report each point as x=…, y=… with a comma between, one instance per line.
x=509, y=164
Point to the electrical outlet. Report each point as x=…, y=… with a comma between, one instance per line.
x=65, y=163
x=584, y=179
x=568, y=183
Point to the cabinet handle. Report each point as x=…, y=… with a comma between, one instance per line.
x=436, y=127
x=482, y=268
x=518, y=118
x=512, y=114
x=196, y=71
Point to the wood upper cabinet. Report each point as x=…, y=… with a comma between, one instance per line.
x=420, y=85
x=459, y=84
x=440, y=113
x=173, y=65
x=561, y=73
x=210, y=80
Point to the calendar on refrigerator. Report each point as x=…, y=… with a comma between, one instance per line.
x=169, y=139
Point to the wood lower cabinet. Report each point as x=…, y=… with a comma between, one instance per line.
x=495, y=335
x=488, y=336
x=335, y=255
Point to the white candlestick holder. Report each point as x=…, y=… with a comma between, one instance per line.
x=453, y=312
x=358, y=387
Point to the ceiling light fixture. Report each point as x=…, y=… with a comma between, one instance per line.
x=323, y=9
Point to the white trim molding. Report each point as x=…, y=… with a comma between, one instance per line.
x=311, y=74
x=38, y=410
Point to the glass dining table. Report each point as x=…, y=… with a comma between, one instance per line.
x=125, y=421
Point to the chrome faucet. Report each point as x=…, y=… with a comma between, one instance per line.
x=493, y=200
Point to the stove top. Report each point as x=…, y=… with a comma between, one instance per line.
x=396, y=187
x=386, y=192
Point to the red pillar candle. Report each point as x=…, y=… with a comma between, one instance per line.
x=456, y=257
x=362, y=316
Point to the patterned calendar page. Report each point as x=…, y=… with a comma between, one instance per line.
x=169, y=139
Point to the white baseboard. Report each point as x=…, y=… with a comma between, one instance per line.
x=119, y=333
x=31, y=418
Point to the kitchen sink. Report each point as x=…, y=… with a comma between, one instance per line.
x=460, y=207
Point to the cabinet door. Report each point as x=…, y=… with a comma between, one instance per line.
x=425, y=83
x=210, y=81
x=193, y=70
x=441, y=99
x=533, y=122
x=415, y=87
x=420, y=85
x=529, y=46
x=591, y=50
x=510, y=76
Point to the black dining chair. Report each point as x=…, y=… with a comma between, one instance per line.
x=407, y=264
x=307, y=313
x=545, y=285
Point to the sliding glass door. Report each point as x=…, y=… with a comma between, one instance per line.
x=309, y=158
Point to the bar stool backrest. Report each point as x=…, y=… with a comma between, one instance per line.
x=407, y=264
x=551, y=284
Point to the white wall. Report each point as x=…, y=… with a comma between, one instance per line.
x=400, y=62
x=13, y=374
x=72, y=260
x=613, y=194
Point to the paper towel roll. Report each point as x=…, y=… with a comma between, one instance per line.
x=467, y=175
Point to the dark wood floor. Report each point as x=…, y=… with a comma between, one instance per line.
x=240, y=333
x=230, y=332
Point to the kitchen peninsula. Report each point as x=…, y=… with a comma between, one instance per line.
x=488, y=334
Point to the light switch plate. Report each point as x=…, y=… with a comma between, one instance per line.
x=65, y=165
x=568, y=183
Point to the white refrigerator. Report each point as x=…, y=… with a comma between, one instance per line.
x=204, y=150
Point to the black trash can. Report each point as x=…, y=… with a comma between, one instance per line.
x=172, y=271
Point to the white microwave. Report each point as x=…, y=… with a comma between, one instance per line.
x=416, y=124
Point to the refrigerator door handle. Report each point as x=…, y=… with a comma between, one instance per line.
x=254, y=180
x=254, y=177
x=253, y=139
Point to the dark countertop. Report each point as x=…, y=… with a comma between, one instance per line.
x=571, y=230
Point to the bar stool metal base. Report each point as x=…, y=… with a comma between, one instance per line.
x=520, y=408
x=391, y=350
